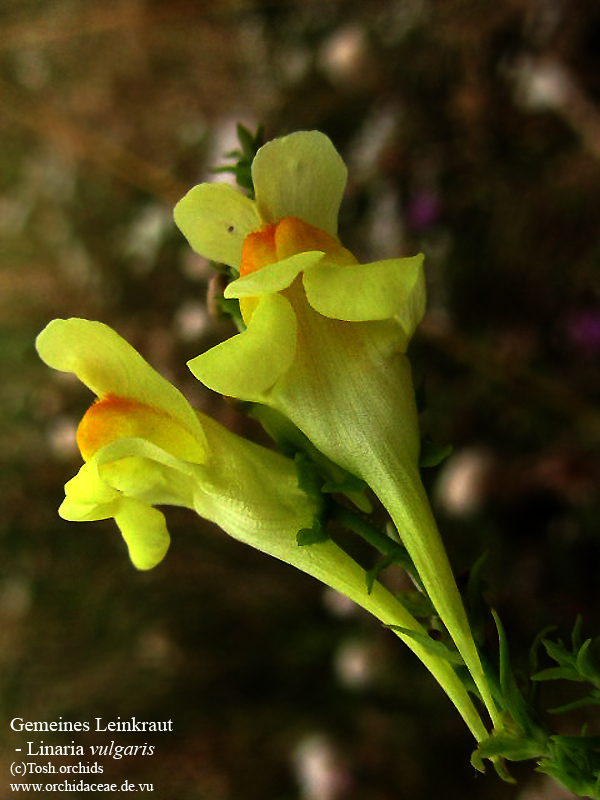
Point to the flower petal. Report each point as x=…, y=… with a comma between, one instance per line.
x=145, y=533
x=274, y=277
x=88, y=489
x=138, y=468
x=364, y=292
x=251, y=362
x=301, y=175
x=88, y=497
x=108, y=365
x=215, y=219
x=413, y=311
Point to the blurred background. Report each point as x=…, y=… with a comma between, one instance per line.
x=472, y=132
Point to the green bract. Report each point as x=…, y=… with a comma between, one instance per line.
x=326, y=340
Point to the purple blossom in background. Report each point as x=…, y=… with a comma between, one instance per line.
x=583, y=329
x=423, y=209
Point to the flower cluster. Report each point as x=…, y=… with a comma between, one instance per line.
x=324, y=349
x=143, y=446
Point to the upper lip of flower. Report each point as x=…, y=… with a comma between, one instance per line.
x=124, y=383
x=301, y=175
x=142, y=440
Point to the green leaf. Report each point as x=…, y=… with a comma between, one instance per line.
x=573, y=762
x=434, y=647
x=586, y=663
x=593, y=699
x=565, y=673
x=477, y=607
x=513, y=748
x=249, y=142
x=582, y=742
x=433, y=454
x=230, y=307
x=308, y=536
x=417, y=603
x=513, y=699
x=535, y=649
x=349, y=483
x=241, y=167
x=309, y=479
x=558, y=652
x=243, y=177
x=381, y=541
x=579, y=665
x=376, y=571
x=576, y=634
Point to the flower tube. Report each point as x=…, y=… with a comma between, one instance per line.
x=326, y=339
x=143, y=446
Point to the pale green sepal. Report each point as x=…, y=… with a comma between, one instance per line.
x=107, y=364
x=251, y=362
x=274, y=277
x=145, y=532
x=215, y=219
x=364, y=292
x=300, y=175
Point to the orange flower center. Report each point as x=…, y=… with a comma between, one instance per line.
x=112, y=417
x=276, y=241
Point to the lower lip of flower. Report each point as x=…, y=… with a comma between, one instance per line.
x=287, y=237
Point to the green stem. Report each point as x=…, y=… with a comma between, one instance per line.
x=404, y=497
x=330, y=564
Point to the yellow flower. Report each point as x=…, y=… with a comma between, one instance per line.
x=326, y=336
x=326, y=339
x=144, y=445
